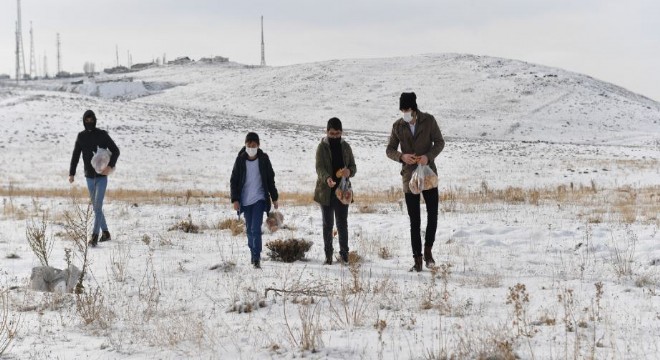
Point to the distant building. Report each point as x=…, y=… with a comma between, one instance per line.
x=63, y=74
x=4, y=77
x=117, y=70
x=143, y=66
x=216, y=59
x=180, y=61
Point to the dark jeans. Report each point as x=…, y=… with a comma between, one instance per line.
x=335, y=211
x=254, y=217
x=412, y=203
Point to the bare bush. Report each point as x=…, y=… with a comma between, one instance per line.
x=8, y=324
x=77, y=224
x=349, y=309
x=622, y=258
x=297, y=287
x=185, y=225
x=119, y=257
x=237, y=226
x=434, y=299
x=288, y=250
x=243, y=307
x=40, y=243
x=518, y=297
x=307, y=336
x=149, y=290
x=91, y=308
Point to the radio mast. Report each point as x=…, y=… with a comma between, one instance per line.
x=59, y=55
x=263, y=48
x=20, y=53
x=33, y=59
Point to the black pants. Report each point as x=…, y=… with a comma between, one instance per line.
x=412, y=203
x=335, y=211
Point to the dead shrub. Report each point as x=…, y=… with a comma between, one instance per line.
x=384, y=253
x=237, y=226
x=354, y=258
x=8, y=324
x=39, y=242
x=288, y=250
x=244, y=307
x=185, y=225
x=91, y=308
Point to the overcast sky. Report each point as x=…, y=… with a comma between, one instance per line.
x=613, y=40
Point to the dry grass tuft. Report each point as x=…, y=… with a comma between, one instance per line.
x=237, y=226
x=384, y=253
x=185, y=225
x=355, y=258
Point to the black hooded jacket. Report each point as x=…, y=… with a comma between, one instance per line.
x=267, y=177
x=87, y=143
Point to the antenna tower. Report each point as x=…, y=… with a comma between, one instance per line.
x=59, y=55
x=33, y=59
x=263, y=48
x=20, y=53
x=45, y=66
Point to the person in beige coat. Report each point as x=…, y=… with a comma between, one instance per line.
x=419, y=137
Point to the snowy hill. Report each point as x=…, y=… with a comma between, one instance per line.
x=546, y=250
x=471, y=96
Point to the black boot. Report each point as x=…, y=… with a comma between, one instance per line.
x=418, y=264
x=328, y=259
x=428, y=257
x=94, y=240
x=105, y=236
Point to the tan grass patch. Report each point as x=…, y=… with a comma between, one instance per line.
x=237, y=226
x=627, y=203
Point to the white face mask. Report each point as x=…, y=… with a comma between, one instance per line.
x=252, y=152
x=407, y=116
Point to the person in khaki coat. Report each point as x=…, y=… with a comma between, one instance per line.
x=334, y=160
x=419, y=137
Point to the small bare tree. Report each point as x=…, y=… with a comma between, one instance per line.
x=39, y=242
x=77, y=222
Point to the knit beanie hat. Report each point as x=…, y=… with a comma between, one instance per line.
x=408, y=101
x=251, y=136
x=334, y=123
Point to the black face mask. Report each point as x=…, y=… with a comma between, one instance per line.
x=334, y=141
x=90, y=126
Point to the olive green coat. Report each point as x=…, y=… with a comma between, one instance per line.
x=426, y=141
x=322, y=192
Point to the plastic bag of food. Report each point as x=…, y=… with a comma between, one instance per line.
x=423, y=178
x=274, y=221
x=344, y=191
x=101, y=159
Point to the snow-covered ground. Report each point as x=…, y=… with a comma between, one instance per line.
x=506, y=123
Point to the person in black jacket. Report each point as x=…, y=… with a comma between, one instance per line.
x=87, y=143
x=252, y=188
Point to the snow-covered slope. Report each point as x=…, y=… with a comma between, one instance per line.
x=471, y=96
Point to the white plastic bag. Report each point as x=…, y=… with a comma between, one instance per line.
x=423, y=178
x=344, y=191
x=101, y=159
